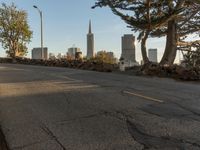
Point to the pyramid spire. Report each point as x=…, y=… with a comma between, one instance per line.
x=90, y=42
x=90, y=27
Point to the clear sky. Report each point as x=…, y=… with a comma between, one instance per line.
x=66, y=24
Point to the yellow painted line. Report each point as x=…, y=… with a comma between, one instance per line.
x=145, y=97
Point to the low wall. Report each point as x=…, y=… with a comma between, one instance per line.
x=79, y=64
x=174, y=71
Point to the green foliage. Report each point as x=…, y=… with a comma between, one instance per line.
x=106, y=57
x=170, y=18
x=187, y=21
x=142, y=15
x=192, y=56
x=14, y=30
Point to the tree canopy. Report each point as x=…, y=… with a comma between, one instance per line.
x=174, y=19
x=192, y=54
x=141, y=15
x=14, y=30
x=106, y=57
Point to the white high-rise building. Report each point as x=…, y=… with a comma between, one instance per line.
x=37, y=53
x=90, y=42
x=128, y=50
x=73, y=51
x=152, y=54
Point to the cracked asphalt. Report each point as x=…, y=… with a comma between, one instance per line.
x=48, y=108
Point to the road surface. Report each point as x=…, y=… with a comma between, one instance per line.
x=48, y=108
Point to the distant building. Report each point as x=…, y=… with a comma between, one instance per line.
x=100, y=52
x=107, y=57
x=90, y=42
x=128, y=50
x=152, y=54
x=142, y=62
x=110, y=54
x=79, y=55
x=60, y=56
x=37, y=53
x=52, y=56
x=73, y=51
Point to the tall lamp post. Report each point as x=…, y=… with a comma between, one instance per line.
x=40, y=12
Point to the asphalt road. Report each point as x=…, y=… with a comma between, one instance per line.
x=44, y=108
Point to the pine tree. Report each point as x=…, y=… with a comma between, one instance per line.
x=174, y=19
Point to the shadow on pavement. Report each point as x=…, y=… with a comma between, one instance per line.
x=3, y=144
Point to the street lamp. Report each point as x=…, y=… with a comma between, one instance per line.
x=40, y=12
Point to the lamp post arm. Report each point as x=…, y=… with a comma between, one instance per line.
x=41, y=19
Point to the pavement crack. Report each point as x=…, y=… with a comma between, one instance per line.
x=149, y=112
x=27, y=145
x=50, y=133
x=149, y=141
x=178, y=111
x=116, y=114
x=192, y=143
x=139, y=134
x=80, y=118
x=187, y=109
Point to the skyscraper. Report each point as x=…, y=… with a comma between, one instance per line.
x=152, y=53
x=90, y=42
x=72, y=52
x=37, y=53
x=128, y=49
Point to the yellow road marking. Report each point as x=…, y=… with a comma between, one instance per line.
x=145, y=97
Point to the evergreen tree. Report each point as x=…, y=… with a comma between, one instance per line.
x=145, y=16
x=192, y=55
x=177, y=30
x=175, y=19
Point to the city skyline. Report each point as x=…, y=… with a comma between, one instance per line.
x=84, y=84
x=64, y=26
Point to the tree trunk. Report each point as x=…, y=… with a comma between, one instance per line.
x=171, y=44
x=143, y=48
